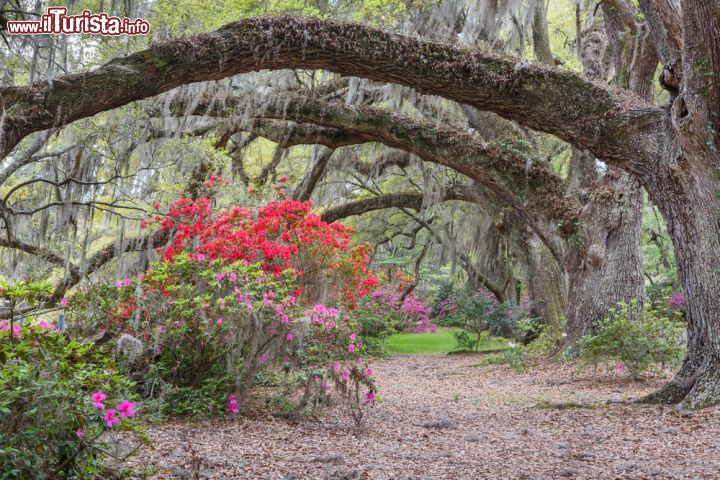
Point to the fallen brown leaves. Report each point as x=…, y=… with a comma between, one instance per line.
x=449, y=417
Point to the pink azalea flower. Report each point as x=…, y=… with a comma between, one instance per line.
x=289, y=337
x=219, y=321
x=620, y=367
x=232, y=277
x=285, y=319
x=200, y=257
x=126, y=283
x=232, y=404
x=351, y=348
x=126, y=409
x=97, y=399
x=45, y=325
x=64, y=302
x=345, y=373
x=80, y=433
x=370, y=396
x=262, y=358
x=369, y=372
x=111, y=418
x=353, y=337
x=220, y=276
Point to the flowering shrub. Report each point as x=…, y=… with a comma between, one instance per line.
x=225, y=299
x=677, y=301
x=445, y=302
x=332, y=354
x=636, y=337
x=283, y=236
x=51, y=422
x=385, y=311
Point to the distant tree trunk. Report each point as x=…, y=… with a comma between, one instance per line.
x=546, y=284
x=540, y=34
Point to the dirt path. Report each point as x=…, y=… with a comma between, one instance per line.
x=497, y=424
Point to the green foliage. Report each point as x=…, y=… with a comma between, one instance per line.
x=481, y=314
x=636, y=337
x=28, y=292
x=48, y=426
x=515, y=357
x=657, y=250
x=442, y=298
x=376, y=323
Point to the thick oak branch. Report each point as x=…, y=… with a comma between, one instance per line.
x=541, y=97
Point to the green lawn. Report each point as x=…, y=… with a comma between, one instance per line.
x=430, y=343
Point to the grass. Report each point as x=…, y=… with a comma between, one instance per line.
x=430, y=343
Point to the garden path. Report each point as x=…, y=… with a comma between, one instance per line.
x=452, y=417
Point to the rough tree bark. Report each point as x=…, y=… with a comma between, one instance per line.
x=686, y=185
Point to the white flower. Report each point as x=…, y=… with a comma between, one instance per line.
x=511, y=344
x=564, y=335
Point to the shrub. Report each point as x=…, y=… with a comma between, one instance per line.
x=225, y=301
x=329, y=356
x=515, y=357
x=481, y=314
x=51, y=425
x=443, y=300
x=636, y=337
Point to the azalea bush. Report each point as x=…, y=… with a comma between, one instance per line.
x=228, y=298
x=445, y=302
x=387, y=311
x=331, y=361
x=479, y=315
x=636, y=337
x=59, y=400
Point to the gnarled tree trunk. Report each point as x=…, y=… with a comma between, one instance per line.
x=605, y=262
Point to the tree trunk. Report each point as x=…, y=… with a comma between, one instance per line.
x=689, y=201
x=605, y=262
x=546, y=283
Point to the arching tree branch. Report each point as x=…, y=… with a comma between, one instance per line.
x=412, y=200
x=495, y=166
x=541, y=97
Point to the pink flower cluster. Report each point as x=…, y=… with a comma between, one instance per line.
x=111, y=416
x=677, y=301
x=232, y=405
x=42, y=326
x=5, y=327
x=416, y=315
x=123, y=283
